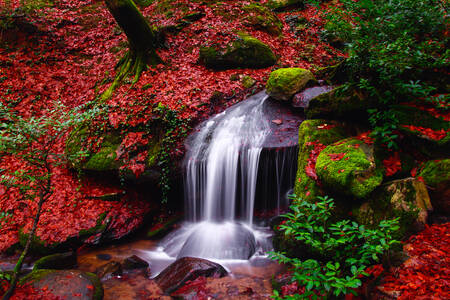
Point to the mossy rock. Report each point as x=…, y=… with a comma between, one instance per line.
x=66, y=283
x=280, y=5
x=247, y=81
x=105, y=159
x=58, y=261
x=348, y=167
x=260, y=17
x=436, y=175
x=244, y=52
x=284, y=83
x=313, y=134
x=340, y=103
x=406, y=199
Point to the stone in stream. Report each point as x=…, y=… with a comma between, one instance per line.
x=134, y=262
x=66, y=284
x=187, y=268
x=113, y=268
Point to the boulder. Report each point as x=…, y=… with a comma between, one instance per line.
x=436, y=175
x=284, y=83
x=187, y=268
x=404, y=198
x=313, y=136
x=112, y=268
x=339, y=103
x=244, y=52
x=348, y=167
x=261, y=18
x=134, y=262
x=280, y=5
x=67, y=283
x=247, y=82
x=58, y=261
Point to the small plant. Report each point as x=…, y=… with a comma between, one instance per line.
x=343, y=249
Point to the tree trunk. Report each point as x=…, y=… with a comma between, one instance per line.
x=141, y=37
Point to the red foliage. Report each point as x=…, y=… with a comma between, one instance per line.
x=428, y=132
x=198, y=286
x=392, y=164
x=28, y=292
x=336, y=156
x=426, y=274
x=365, y=137
x=310, y=168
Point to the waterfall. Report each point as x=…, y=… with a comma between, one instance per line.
x=222, y=159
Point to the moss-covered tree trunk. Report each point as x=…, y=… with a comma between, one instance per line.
x=142, y=39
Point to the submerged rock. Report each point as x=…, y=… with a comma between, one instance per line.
x=66, y=284
x=109, y=269
x=405, y=198
x=134, y=262
x=348, y=167
x=58, y=261
x=187, y=268
x=244, y=52
x=436, y=174
x=284, y=83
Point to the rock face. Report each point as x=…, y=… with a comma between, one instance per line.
x=313, y=136
x=284, y=83
x=244, y=52
x=66, y=284
x=436, y=174
x=58, y=261
x=404, y=198
x=339, y=104
x=187, y=268
x=348, y=167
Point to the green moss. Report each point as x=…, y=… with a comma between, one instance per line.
x=408, y=115
x=35, y=276
x=436, y=172
x=245, y=52
x=262, y=18
x=339, y=104
x=98, y=292
x=354, y=174
x=284, y=83
x=37, y=245
x=283, y=4
x=57, y=261
x=406, y=199
x=313, y=131
x=248, y=81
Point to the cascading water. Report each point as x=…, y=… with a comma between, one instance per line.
x=223, y=166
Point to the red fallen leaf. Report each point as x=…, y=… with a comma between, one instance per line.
x=428, y=132
x=277, y=121
x=336, y=156
x=341, y=170
x=392, y=164
x=90, y=287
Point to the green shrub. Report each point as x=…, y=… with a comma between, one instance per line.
x=397, y=51
x=346, y=248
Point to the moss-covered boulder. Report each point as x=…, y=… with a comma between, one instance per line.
x=284, y=83
x=436, y=175
x=313, y=136
x=104, y=158
x=406, y=199
x=348, y=167
x=283, y=4
x=260, y=17
x=244, y=52
x=65, y=284
x=339, y=103
x=247, y=81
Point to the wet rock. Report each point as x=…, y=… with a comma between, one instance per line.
x=219, y=241
x=59, y=261
x=66, y=284
x=302, y=99
x=163, y=227
x=134, y=262
x=104, y=256
x=404, y=198
x=284, y=83
x=436, y=174
x=244, y=52
x=247, y=82
x=280, y=5
x=187, y=268
x=108, y=270
x=348, y=167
